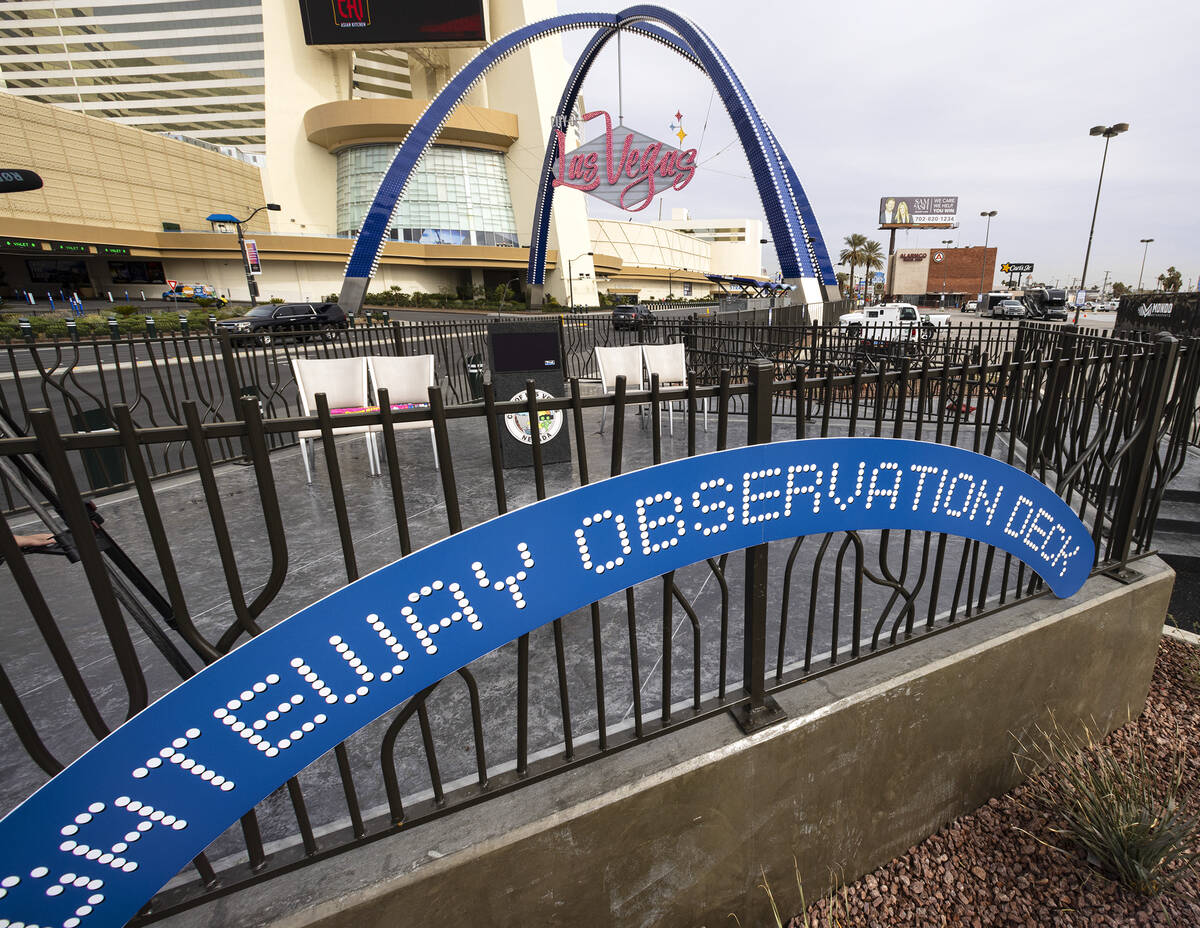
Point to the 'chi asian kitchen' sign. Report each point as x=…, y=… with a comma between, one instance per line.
x=623, y=167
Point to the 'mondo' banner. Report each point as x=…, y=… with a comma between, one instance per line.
x=1177, y=313
x=98, y=840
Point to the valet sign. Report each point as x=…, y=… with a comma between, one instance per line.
x=99, y=839
x=623, y=167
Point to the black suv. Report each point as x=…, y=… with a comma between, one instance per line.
x=632, y=316
x=298, y=320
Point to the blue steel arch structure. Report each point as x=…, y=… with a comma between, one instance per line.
x=814, y=257
x=798, y=242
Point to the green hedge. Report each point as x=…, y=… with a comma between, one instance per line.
x=397, y=297
x=128, y=323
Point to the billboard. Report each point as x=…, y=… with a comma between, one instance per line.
x=908, y=212
x=386, y=22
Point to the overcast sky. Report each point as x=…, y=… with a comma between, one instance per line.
x=987, y=102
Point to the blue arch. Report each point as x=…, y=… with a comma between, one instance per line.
x=776, y=182
x=814, y=257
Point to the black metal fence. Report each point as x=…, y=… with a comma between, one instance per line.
x=1102, y=421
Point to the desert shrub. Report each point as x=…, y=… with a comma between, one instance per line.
x=1123, y=812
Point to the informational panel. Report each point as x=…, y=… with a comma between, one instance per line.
x=523, y=352
x=389, y=22
x=100, y=838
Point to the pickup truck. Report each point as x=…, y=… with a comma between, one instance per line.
x=893, y=322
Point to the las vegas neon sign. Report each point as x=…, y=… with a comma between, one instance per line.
x=623, y=167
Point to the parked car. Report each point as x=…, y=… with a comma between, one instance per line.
x=632, y=316
x=1055, y=312
x=297, y=320
x=191, y=292
x=971, y=306
x=1010, y=309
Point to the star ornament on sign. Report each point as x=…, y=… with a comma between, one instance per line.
x=677, y=127
x=1005, y=268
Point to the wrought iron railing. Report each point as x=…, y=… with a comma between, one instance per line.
x=1101, y=421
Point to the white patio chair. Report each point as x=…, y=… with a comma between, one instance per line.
x=344, y=383
x=407, y=381
x=615, y=362
x=670, y=363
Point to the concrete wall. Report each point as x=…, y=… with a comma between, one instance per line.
x=101, y=174
x=870, y=760
x=736, y=243
x=909, y=271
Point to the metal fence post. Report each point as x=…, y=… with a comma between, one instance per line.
x=1125, y=521
x=236, y=392
x=760, y=710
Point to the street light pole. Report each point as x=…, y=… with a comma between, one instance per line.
x=571, y=276
x=1109, y=133
x=983, y=261
x=945, y=241
x=1146, y=242
x=251, y=286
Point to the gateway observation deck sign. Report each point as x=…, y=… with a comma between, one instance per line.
x=100, y=838
x=623, y=167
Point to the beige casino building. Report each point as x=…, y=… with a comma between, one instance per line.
x=145, y=117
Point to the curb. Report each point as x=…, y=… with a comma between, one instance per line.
x=1180, y=635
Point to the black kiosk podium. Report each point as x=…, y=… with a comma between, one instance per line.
x=520, y=352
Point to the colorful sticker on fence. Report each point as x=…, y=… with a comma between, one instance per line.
x=97, y=841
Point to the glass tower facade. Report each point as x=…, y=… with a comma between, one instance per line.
x=458, y=196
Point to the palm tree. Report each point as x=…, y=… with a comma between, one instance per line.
x=872, y=259
x=1170, y=281
x=852, y=254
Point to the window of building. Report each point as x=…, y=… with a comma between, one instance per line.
x=458, y=196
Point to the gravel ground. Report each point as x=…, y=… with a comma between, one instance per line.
x=1001, y=865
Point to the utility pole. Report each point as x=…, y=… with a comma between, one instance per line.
x=1109, y=133
x=1145, y=242
x=983, y=261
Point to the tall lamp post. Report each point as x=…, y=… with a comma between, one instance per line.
x=945, y=241
x=1146, y=242
x=983, y=262
x=1109, y=133
x=226, y=217
x=571, y=276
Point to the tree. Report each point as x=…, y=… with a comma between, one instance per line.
x=1119, y=289
x=852, y=254
x=872, y=259
x=1171, y=281
x=843, y=279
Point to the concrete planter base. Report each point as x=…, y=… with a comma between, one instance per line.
x=871, y=760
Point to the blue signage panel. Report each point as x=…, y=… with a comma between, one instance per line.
x=97, y=841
